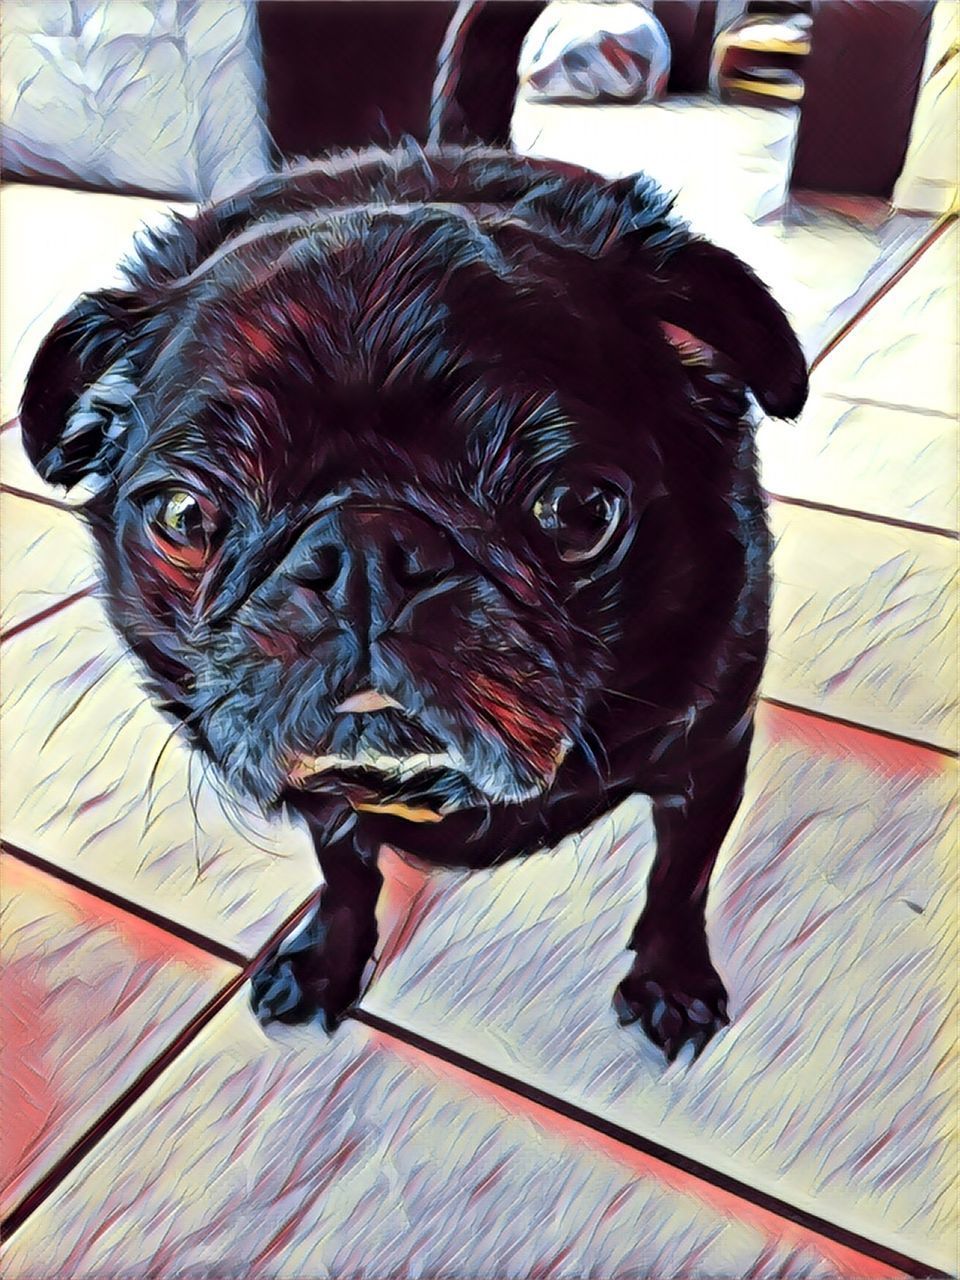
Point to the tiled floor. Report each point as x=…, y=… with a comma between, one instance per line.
x=483, y=1115
x=92, y=995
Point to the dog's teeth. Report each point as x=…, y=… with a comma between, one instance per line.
x=417, y=763
x=398, y=768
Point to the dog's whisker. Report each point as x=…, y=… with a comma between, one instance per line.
x=149, y=792
x=237, y=814
x=631, y=697
x=176, y=734
x=193, y=800
x=595, y=754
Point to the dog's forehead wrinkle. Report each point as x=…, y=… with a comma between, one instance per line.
x=251, y=258
x=516, y=442
x=585, y=211
x=388, y=347
x=342, y=343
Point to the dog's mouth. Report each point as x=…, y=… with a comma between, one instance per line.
x=425, y=787
x=379, y=760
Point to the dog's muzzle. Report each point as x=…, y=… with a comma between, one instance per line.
x=383, y=761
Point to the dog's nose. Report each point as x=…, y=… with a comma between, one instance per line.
x=368, y=558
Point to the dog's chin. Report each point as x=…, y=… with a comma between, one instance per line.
x=422, y=788
x=428, y=795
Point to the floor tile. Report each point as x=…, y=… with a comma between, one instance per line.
x=904, y=350
x=832, y=923
x=825, y=267
x=43, y=273
x=821, y=266
x=97, y=781
x=91, y=995
x=45, y=555
x=863, y=623
x=303, y=1157
x=709, y=153
x=864, y=457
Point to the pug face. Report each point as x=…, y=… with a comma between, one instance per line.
x=394, y=494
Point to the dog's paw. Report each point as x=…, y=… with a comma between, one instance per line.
x=308, y=978
x=285, y=989
x=676, y=1008
x=278, y=993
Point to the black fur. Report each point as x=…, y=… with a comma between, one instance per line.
x=372, y=370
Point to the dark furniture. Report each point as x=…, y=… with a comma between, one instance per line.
x=861, y=80
x=347, y=73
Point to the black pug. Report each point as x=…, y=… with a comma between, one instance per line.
x=424, y=488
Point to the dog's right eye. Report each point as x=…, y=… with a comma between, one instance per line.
x=182, y=525
x=581, y=517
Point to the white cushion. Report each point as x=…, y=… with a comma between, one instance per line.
x=164, y=95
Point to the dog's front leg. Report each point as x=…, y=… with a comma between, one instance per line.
x=672, y=987
x=320, y=969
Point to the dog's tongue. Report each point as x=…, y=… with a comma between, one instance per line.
x=368, y=700
x=396, y=809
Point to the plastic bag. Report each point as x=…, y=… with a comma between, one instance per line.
x=595, y=51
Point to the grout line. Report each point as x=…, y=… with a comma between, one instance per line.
x=910, y=409
x=46, y=613
x=891, y=521
x=15, y=492
x=63, y=1167
x=774, y=702
x=596, y=1124
x=889, y=734
x=148, y=916
x=115, y=1112
x=882, y=291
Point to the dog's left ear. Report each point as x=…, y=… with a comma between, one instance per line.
x=715, y=297
x=79, y=394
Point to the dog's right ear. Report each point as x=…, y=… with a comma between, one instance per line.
x=79, y=395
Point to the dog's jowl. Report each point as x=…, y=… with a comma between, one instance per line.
x=424, y=490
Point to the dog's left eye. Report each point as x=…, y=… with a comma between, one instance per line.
x=183, y=526
x=580, y=516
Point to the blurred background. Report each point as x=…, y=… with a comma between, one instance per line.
x=190, y=98
x=771, y=120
